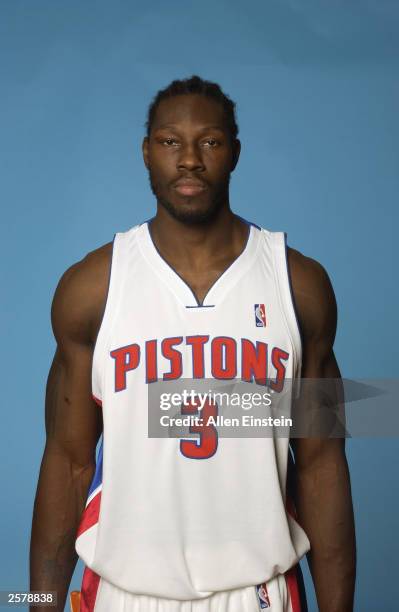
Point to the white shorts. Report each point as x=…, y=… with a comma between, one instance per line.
x=283, y=593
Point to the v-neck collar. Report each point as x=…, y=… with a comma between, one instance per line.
x=178, y=285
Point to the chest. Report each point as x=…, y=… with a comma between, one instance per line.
x=241, y=333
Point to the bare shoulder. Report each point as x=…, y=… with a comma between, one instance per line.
x=313, y=295
x=80, y=296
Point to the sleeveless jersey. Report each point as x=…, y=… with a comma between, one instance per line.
x=179, y=519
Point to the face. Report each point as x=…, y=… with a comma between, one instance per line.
x=189, y=156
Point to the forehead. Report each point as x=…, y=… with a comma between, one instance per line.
x=189, y=110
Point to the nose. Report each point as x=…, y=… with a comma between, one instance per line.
x=190, y=158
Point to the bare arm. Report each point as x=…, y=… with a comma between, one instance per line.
x=73, y=426
x=324, y=502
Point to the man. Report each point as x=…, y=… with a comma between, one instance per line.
x=195, y=293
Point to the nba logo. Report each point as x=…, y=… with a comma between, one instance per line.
x=260, y=315
x=263, y=596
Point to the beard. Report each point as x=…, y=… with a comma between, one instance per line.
x=188, y=213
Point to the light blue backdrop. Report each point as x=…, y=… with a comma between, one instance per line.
x=317, y=93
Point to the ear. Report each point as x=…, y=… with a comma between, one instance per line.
x=236, y=153
x=144, y=148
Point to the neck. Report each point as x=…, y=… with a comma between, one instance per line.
x=198, y=244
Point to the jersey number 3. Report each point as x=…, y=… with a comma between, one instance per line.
x=206, y=446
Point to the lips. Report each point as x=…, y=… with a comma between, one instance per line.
x=189, y=187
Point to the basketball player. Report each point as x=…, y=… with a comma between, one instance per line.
x=196, y=292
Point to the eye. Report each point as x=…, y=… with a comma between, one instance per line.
x=212, y=142
x=169, y=141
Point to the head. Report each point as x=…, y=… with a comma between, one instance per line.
x=191, y=148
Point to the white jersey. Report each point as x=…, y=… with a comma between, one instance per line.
x=184, y=518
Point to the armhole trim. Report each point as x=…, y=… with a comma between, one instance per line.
x=283, y=281
x=97, y=373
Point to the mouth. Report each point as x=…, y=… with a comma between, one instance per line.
x=188, y=187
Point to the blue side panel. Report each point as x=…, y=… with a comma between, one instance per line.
x=98, y=476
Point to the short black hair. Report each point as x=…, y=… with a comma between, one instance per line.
x=195, y=85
